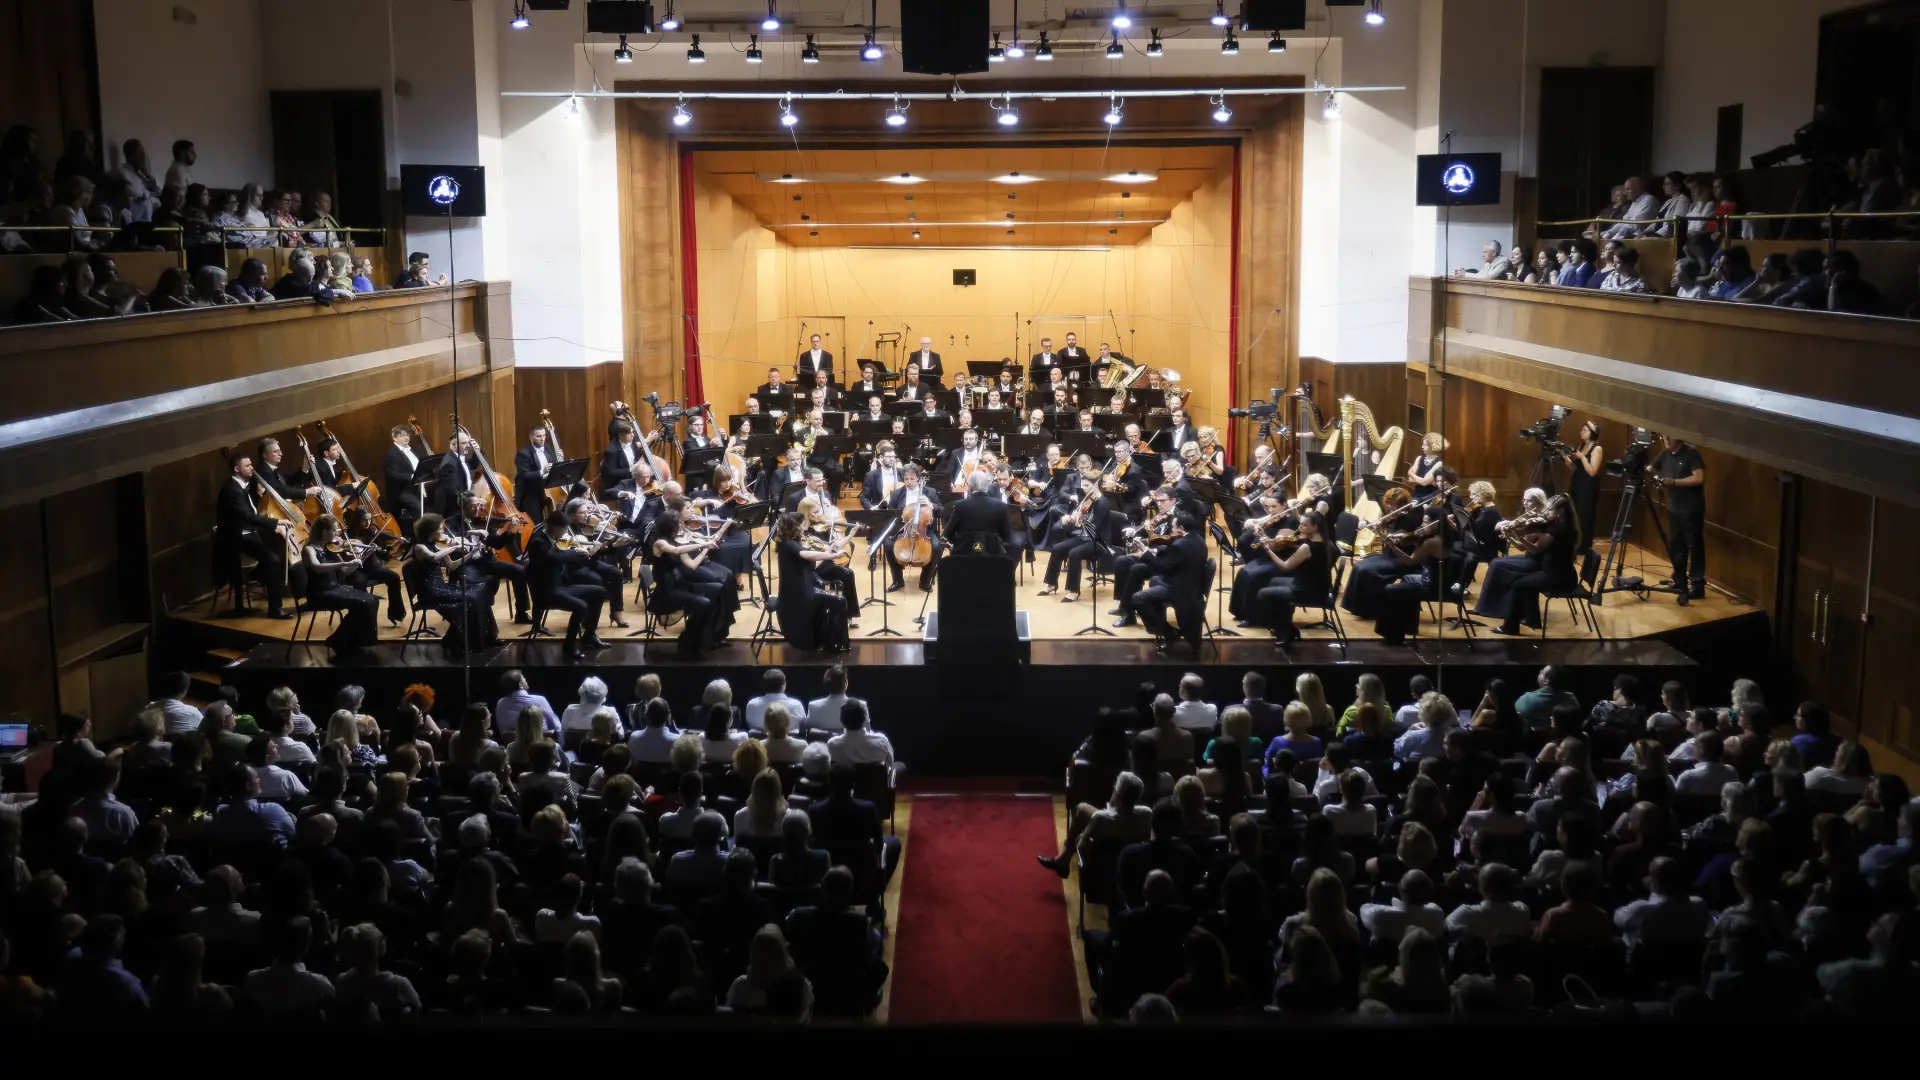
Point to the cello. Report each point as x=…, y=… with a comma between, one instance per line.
x=498, y=492
x=914, y=545
x=382, y=521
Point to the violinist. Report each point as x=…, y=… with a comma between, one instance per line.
x=825, y=528
x=466, y=608
x=558, y=571
x=1303, y=576
x=243, y=529
x=455, y=477
x=1126, y=483
x=1178, y=579
x=1423, y=555
x=601, y=568
x=1078, y=537
x=373, y=568
x=913, y=495
x=958, y=464
x=1480, y=541
x=1211, y=453
x=1544, y=560
x=677, y=558
x=1373, y=573
x=883, y=478
x=720, y=503
x=329, y=560
x=1010, y=489
x=1264, y=473
x=486, y=566
x=399, y=495
x=1256, y=570
x=531, y=464
x=1131, y=571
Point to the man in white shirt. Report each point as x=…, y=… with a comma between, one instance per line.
x=181, y=717
x=816, y=360
x=774, y=687
x=823, y=713
x=1414, y=907
x=515, y=699
x=1192, y=713
x=1499, y=916
x=1669, y=914
x=927, y=362
x=276, y=783
x=652, y=739
x=180, y=173
x=143, y=191
x=1409, y=714
x=287, y=988
x=1492, y=265
x=1641, y=206
x=678, y=824
x=1438, y=717
x=1711, y=773
x=223, y=920
x=857, y=744
x=1338, y=759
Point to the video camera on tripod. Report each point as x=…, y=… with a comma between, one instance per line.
x=1632, y=462
x=672, y=412
x=1260, y=410
x=1547, y=432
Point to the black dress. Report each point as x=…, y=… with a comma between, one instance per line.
x=1514, y=583
x=359, y=610
x=468, y=611
x=810, y=617
x=1368, y=582
x=1584, y=490
x=1307, y=585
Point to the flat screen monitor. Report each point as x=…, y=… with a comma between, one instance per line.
x=426, y=190
x=1457, y=180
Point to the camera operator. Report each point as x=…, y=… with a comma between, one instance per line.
x=1584, y=485
x=1681, y=471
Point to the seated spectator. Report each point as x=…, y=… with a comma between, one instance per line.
x=836, y=945
x=678, y=824
x=1236, y=726
x=1299, y=739
x=856, y=744
x=1711, y=773
x=1412, y=909
x=556, y=925
x=773, y=684
x=244, y=819
x=1338, y=760
x=179, y=988
x=1312, y=980
x=46, y=299
x=1522, y=266
x=365, y=986
x=1889, y=861
x=1125, y=818
x=221, y=919
x=93, y=981
x=73, y=196
x=1816, y=741
x=1353, y=815
x=210, y=287
x=1637, y=205
x=253, y=214
x=798, y=864
x=1196, y=823
x=107, y=818
x=285, y=989
x=1849, y=774
x=1578, y=269
x=653, y=743
x=251, y=286
x=1428, y=737
x=782, y=747
x=602, y=735
x=281, y=216
x=578, y=717
x=1668, y=913
x=1191, y=712
x=1624, y=273
x=546, y=781
x=1207, y=986
x=720, y=740
x=276, y=783
x=1807, y=287
x=1418, y=985
x=1493, y=266
x=363, y=275
x=322, y=225
x=768, y=964
x=418, y=273
x=1171, y=743
x=226, y=223
x=765, y=812
x=1686, y=282
x=301, y=281
x=1500, y=914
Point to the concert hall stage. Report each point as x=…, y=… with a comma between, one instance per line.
x=954, y=718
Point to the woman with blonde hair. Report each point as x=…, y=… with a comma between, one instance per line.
x=1236, y=725
x=1190, y=795
x=782, y=748
x=580, y=962
x=339, y=271
x=1313, y=694
x=767, y=965
x=603, y=733
x=765, y=810
x=1370, y=688
x=1299, y=739
x=1421, y=469
x=528, y=728
x=343, y=727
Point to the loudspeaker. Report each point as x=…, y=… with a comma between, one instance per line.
x=1282, y=15
x=944, y=37
x=619, y=16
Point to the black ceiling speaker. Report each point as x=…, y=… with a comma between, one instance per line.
x=546, y=5
x=619, y=16
x=944, y=37
x=1282, y=15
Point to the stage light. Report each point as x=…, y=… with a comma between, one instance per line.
x=696, y=54
x=897, y=115
x=1375, y=16
x=1113, y=113
x=1331, y=110
x=1230, y=45
x=1116, y=51
x=1220, y=14
x=573, y=107
x=905, y=178
x=1044, y=51
x=1015, y=178
x=1132, y=176
x=1016, y=51
x=1276, y=43
x=621, y=53
x=809, y=54
x=772, y=21
x=1154, y=48
x=787, y=119
x=1008, y=115
x=871, y=50
x=754, y=55
x=681, y=117
x=788, y=178
x=671, y=22
x=996, y=54
x=1221, y=113
x=519, y=17
x=916, y=234
x=1122, y=20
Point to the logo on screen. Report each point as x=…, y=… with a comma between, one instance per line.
x=445, y=189
x=1458, y=179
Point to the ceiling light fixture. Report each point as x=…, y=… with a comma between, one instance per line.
x=681, y=117
x=772, y=21
x=1016, y=51
x=1122, y=20
x=1015, y=177
x=573, y=107
x=1331, y=110
x=1221, y=113
x=906, y=178
x=621, y=53
x=1044, y=51
x=1008, y=115
x=696, y=54
x=1230, y=45
x=996, y=54
x=871, y=50
x=671, y=22
x=1132, y=176
x=1375, y=16
x=1276, y=43
x=519, y=21
x=810, y=54
x=897, y=115
x=754, y=55
x=1154, y=48
x=916, y=234
x=1113, y=113
x=787, y=178
x=1116, y=51
x=1220, y=14
x=787, y=118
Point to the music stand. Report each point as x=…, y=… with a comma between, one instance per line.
x=876, y=522
x=567, y=474
x=833, y=448
x=1228, y=556
x=1153, y=466
x=1149, y=399
x=870, y=430
x=773, y=401
x=909, y=409
x=947, y=438
x=748, y=517
x=1075, y=443
x=1031, y=447
x=985, y=369
x=1113, y=424
x=1085, y=396
x=947, y=401
x=703, y=460
x=786, y=492
x=998, y=421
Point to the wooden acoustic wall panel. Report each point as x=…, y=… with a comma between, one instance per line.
x=649, y=257
x=27, y=662
x=1269, y=272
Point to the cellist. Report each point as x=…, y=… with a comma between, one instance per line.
x=915, y=502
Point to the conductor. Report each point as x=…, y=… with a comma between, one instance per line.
x=978, y=523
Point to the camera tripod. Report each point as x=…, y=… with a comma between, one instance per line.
x=1610, y=579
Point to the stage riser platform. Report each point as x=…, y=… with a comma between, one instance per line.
x=951, y=719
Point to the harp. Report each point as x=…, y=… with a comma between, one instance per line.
x=1312, y=432
x=1367, y=451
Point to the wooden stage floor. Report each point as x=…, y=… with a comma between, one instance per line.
x=1621, y=616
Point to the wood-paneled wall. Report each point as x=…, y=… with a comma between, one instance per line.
x=578, y=399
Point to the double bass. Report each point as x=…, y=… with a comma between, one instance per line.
x=383, y=522
x=327, y=502
x=556, y=495
x=497, y=491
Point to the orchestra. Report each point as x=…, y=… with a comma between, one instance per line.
x=447, y=530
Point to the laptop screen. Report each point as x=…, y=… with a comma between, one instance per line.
x=13, y=737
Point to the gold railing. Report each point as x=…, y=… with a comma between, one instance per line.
x=1724, y=224
x=178, y=234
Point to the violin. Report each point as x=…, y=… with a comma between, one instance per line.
x=839, y=546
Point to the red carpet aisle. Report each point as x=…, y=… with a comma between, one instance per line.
x=982, y=930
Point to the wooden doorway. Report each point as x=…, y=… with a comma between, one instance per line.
x=1596, y=129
